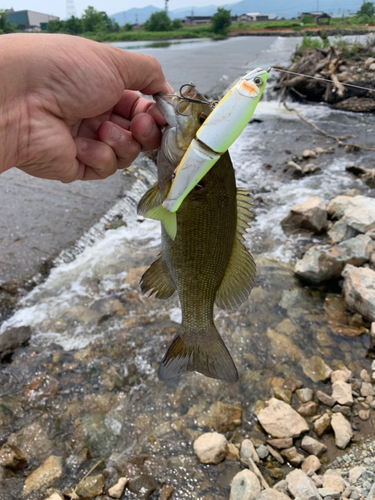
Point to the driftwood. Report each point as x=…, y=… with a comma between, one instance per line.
x=330, y=64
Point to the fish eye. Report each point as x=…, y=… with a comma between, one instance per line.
x=201, y=118
x=258, y=81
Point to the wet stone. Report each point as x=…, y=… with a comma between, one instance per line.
x=211, y=448
x=12, y=457
x=262, y=452
x=305, y=394
x=32, y=441
x=310, y=214
x=325, y=398
x=345, y=410
x=359, y=290
x=117, y=489
x=365, y=376
x=166, y=492
x=292, y=456
x=44, y=475
x=245, y=486
x=90, y=487
x=316, y=369
x=143, y=486
x=283, y=394
x=13, y=338
x=280, y=420
x=221, y=417
x=276, y=455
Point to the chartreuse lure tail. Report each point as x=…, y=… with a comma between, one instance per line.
x=214, y=137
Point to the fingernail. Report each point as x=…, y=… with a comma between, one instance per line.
x=83, y=145
x=115, y=134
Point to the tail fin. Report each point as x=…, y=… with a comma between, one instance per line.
x=205, y=354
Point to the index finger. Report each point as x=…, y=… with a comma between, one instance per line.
x=139, y=71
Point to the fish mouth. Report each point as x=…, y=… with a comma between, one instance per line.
x=165, y=103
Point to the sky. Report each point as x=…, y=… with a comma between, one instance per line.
x=59, y=7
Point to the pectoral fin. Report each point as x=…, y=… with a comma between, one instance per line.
x=239, y=276
x=156, y=280
x=151, y=199
x=168, y=219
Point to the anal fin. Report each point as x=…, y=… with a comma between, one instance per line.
x=156, y=280
x=151, y=199
x=168, y=219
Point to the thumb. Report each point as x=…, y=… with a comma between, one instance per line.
x=139, y=71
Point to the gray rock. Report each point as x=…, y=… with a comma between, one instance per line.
x=312, y=446
x=245, y=486
x=345, y=410
x=342, y=429
x=301, y=486
x=262, y=452
x=211, y=448
x=340, y=231
x=324, y=262
x=280, y=420
x=282, y=486
x=310, y=214
x=359, y=290
x=142, y=485
x=13, y=338
x=247, y=450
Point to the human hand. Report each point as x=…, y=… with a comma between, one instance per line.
x=68, y=106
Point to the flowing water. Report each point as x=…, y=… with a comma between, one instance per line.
x=86, y=387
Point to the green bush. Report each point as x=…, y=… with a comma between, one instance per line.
x=158, y=21
x=176, y=24
x=128, y=27
x=221, y=21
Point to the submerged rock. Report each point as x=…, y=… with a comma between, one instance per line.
x=221, y=417
x=324, y=262
x=245, y=486
x=13, y=338
x=143, y=486
x=12, y=457
x=359, y=290
x=316, y=369
x=44, y=475
x=280, y=420
x=211, y=448
x=310, y=214
x=247, y=450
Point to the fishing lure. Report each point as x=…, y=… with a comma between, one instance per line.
x=218, y=132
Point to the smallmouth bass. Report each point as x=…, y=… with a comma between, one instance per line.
x=207, y=261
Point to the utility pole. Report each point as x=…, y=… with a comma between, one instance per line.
x=166, y=5
x=70, y=9
x=317, y=5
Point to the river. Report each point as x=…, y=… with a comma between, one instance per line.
x=86, y=387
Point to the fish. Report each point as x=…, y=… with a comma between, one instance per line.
x=207, y=261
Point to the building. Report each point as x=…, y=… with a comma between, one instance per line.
x=256, y=16
x=197, y=20
x=29, y=20
x=319, y=17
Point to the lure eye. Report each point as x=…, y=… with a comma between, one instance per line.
x=201, y=118
x=258, y=81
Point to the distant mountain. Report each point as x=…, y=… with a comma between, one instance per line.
x=281, y=9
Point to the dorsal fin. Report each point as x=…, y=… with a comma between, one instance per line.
x=151, y=199
x=156, y=280
x=239, y=276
